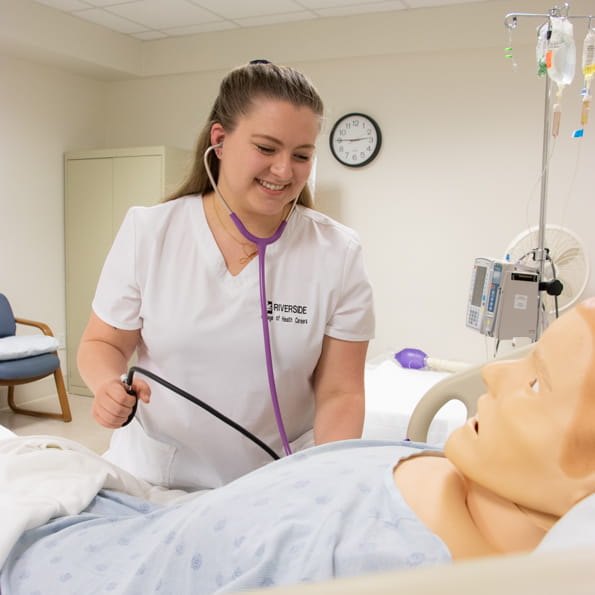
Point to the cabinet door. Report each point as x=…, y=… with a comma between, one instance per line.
x=99, y=191
x=88, y=225
x=138, y=180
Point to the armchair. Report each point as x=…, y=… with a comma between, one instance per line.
x=28, y=358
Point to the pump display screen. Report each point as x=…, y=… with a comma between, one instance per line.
x=480, y=277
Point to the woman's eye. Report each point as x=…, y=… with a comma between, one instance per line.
x=534, y=384
x=303, y=157
x=265, y=150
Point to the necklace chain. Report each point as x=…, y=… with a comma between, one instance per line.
x=248, y=248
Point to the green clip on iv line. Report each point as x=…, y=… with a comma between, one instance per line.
x=508, y=49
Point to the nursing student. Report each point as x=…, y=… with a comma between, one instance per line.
x=181, y=289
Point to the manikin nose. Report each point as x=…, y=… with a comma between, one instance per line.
x=496, y=375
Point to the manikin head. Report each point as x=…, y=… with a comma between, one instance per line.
x=533, y=439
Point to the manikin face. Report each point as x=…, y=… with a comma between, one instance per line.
x=266, y=160
x=520, y=443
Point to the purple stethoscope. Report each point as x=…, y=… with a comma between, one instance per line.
x=261, y=245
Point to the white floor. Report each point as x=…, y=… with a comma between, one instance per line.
x=83, y=428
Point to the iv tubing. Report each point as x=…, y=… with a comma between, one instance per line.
x=511, y=22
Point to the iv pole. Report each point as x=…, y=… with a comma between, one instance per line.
x=540, y=253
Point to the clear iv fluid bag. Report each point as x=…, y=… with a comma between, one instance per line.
x=561, y=52
x=541, y=49
x=589, y=54
x=588, y=71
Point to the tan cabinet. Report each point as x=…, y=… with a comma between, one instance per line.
x=100, y=186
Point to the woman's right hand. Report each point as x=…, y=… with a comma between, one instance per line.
x=112, y=405
x=104, y=352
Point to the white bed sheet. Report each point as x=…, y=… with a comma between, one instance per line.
x=392, y=392
x=6, y=433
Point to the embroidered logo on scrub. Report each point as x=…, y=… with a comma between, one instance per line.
x=287, y=313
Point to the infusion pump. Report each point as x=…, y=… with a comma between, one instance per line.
x=503, y=299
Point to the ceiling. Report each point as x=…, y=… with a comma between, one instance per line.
x=157, y=19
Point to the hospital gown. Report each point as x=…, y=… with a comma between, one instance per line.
x=330, y=511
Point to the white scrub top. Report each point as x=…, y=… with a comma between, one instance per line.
x=201, y=330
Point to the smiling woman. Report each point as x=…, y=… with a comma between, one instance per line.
x=182, y=287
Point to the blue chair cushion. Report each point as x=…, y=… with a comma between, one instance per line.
x=29, y=367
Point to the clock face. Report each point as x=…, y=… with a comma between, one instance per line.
x=355, y=140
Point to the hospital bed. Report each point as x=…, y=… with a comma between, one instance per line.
x=421, y=405
x=564, y=561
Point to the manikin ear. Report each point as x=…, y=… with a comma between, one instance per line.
x=217, y=136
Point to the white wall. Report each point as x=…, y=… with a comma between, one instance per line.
x=457, y=177
x=43, y=112
x=458, y=174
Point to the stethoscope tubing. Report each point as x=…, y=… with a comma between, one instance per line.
x=128, y=384
x=261, y=245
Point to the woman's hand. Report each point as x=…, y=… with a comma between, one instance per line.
x=104, y=353
x=112, y=405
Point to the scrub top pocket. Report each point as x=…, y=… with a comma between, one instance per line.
x=132, y=449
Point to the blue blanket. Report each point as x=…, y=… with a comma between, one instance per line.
x=331, y=511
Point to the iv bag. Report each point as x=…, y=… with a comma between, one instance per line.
x=540, y=50
x=588, y=72
x=561, y=52
x=589, y=54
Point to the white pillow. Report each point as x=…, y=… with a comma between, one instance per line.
x=575, y=529
x=26, y=346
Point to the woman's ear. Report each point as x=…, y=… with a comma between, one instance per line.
x=217, y=136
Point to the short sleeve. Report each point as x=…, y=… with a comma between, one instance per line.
x=353, y=318
x=117, y=298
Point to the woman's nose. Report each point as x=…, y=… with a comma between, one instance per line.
x=281, y=166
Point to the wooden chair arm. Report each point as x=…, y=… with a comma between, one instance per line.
x=40, y=325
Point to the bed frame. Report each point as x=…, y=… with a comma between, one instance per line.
x=466, y=386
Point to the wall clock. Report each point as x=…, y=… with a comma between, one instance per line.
x=355, y=139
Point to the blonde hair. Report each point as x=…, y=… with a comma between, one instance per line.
x=237, y=92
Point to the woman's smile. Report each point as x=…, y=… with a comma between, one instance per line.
x=271, y=185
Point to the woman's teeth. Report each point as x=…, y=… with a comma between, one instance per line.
x=271, y=186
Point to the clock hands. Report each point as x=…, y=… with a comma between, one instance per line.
x=351, y=140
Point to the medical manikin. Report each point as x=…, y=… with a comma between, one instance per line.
x=508, y=475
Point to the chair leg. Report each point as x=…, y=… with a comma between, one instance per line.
x=65, y=416
x=62, y=395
